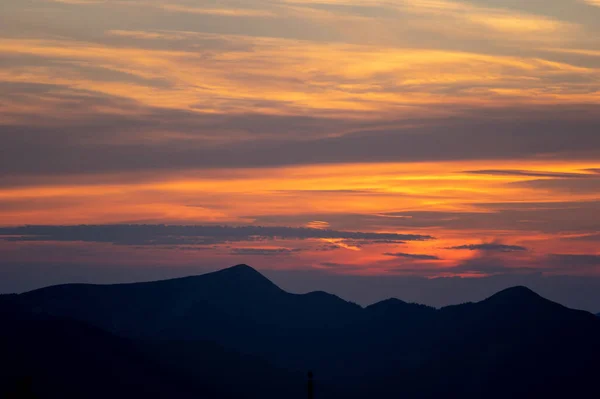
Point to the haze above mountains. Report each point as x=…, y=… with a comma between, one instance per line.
x=234, y=333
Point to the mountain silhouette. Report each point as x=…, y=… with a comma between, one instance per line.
x=47, y=357
x=515, y=295
x=514, y=343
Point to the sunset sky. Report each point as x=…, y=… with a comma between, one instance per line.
x=428, y=138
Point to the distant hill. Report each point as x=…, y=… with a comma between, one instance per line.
x=513, y=344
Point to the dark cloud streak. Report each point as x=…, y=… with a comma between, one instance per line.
x=489, y=247
x=263, y=251
x=529, y=173
x=412, y=256
x=185, y=235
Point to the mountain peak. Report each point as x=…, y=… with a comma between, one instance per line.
x=243, y=274
x=242, y=268
x=399, y=309
x=387, y=304
x=514, y=295
x=393, y=301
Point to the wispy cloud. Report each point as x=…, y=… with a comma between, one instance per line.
x=583, y=186
x=592, y=2
x=226, y=12
x=263, y=251
x=412, y=256
x=585, y=237
x=489, y=247
x=530, y=173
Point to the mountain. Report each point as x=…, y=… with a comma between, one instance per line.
x=513, y=344
x=54, y=357
x=237, y=307
x=48, y=357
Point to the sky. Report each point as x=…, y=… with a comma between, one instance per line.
x=407, y=140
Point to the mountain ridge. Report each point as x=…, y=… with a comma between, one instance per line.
x=243, y=272
x=227, y=288
x=388, y=349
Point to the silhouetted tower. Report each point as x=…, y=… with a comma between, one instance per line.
x=310, y=386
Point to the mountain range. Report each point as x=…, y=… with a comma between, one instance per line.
x=235, y=334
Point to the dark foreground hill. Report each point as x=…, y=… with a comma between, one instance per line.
x=202, y=335
x=50, y=357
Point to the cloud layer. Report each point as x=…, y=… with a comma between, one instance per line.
x=193, y=235
x=351, y=137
